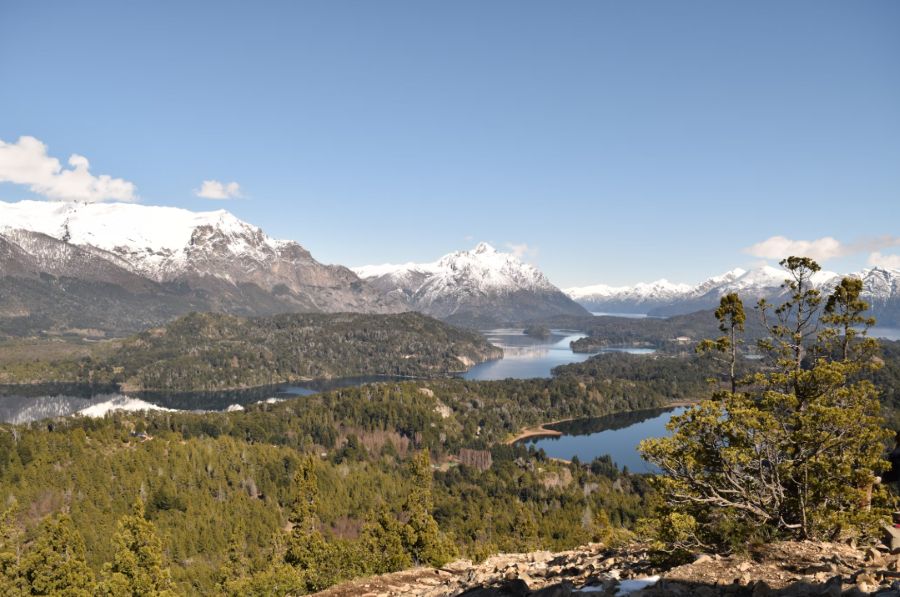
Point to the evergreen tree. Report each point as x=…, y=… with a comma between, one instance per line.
x=235, y=565
x=307, y=550
x=731, y=321
x=798, y=454
x=383, y=539
x=844, y=313
x=138, y=568
x=423, y=538
x=55, y=564
x=793, y=323
x=525, y=527
x=10, y=583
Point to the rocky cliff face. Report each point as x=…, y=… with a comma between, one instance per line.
x=804, y=569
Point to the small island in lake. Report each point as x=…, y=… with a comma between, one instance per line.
x=537, y=331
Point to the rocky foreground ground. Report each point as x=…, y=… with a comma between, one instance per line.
x=803, y=569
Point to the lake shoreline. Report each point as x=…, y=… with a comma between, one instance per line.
x=537, y=431
x=541, y=430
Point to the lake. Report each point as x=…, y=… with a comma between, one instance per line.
x=22, y=404
x=524, y=357
x=617, y=435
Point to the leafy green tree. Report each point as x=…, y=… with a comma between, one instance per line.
x=731, y=322
x=55, y=564
x=138, y=568
x=797, y=455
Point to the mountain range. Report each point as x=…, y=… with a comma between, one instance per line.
x=881, y=289
x=482, y=286
x=108, y=269
x=113, y=268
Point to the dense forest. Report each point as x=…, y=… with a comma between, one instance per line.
x=293, y=496
x=210, y=480
x=215, y=351
x=674, y=334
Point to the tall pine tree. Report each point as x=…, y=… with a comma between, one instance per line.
x=55, y=564
x=138, y=568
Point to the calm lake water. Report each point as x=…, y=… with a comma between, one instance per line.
x=617, y=435
x=525, y=357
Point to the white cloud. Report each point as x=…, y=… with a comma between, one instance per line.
x=26, y=163
x=522, y=250
x=879, y=259
x=779, y=247
x=213, y=189
x=820, y=249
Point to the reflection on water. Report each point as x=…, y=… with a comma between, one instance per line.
x=617, y=435
x=526, y=357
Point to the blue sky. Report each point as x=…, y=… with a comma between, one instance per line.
x=617, y=141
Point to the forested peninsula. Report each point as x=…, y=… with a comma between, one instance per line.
x=209, y=352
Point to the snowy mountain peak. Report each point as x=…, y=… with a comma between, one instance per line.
x=157, y=242
x=483, y=247
x=467, y=281
x=482, y=268
x=175, y=259
x=664, y=298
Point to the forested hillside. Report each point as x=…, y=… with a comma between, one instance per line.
x=673, y=334
x=220, y=489
x=216, y=351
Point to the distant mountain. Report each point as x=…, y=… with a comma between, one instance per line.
x=116, y=268
x=881, y=288
x=475, y=288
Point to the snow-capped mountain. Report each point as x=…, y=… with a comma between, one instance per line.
x=477, y=287
x=643, y=296
x=165, y=259
x=881, y=288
